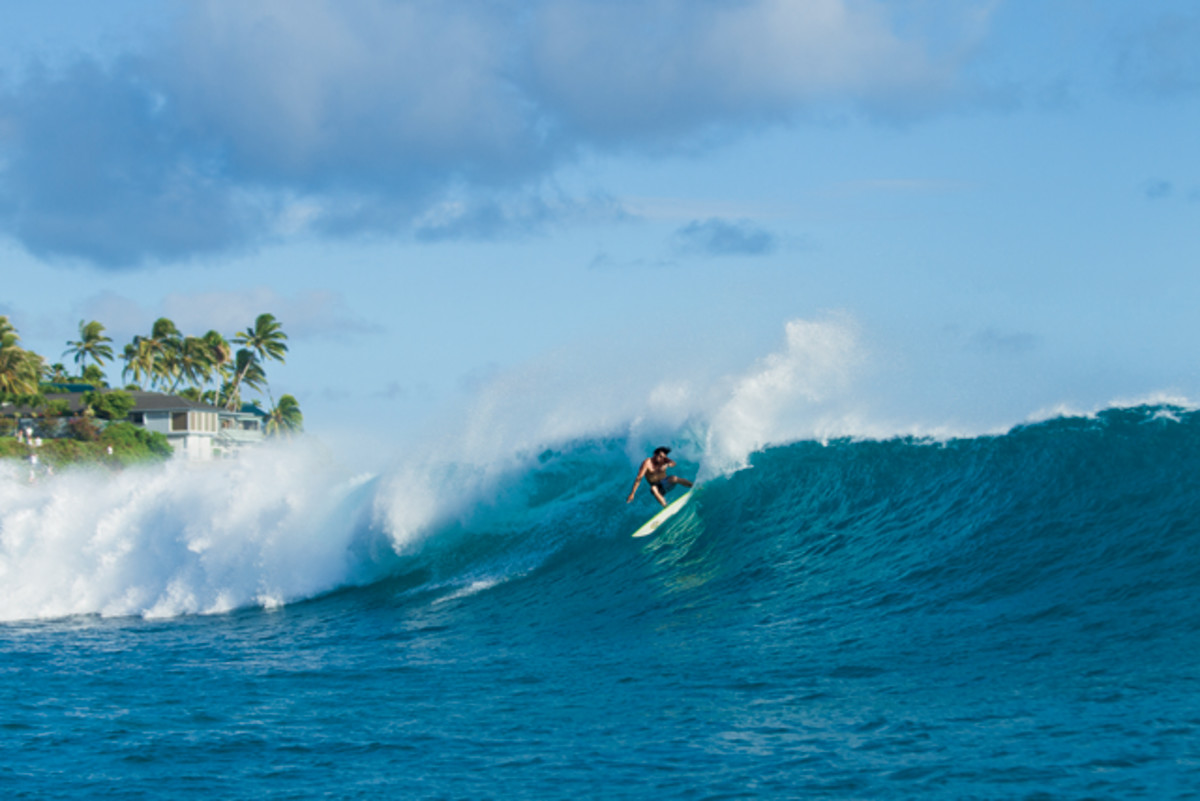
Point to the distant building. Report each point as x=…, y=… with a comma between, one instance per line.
x=197, y=431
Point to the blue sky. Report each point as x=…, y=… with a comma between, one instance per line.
x=582, y=209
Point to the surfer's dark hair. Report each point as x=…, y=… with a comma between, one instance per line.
x=664, y=450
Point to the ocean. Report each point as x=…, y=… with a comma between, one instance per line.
x=1005, y=616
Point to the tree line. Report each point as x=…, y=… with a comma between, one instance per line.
x=204, y=368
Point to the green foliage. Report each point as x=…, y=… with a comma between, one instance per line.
x=130, y=445
x=109, y=405
x=205, y=366
x=127, y=439
x=83, y=429
x=95, y=376
x=92, y=344
x=264, y=340
x=56, y=408
x=285, y=419
x=60, y=452
x=33, y=400
x=20, y=369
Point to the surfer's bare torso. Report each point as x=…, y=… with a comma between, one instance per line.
x=654, y=470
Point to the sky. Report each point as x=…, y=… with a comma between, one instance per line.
x=915, y=215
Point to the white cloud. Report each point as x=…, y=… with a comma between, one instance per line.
x=619, y=71
x=262, y=119
x=341, y=95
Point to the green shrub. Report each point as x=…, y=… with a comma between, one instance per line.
x=57, y=408
x=134, y=443
x=59, y=452
x=83, y=429
x=112, y=405
x=130, y=445
x=92, y=374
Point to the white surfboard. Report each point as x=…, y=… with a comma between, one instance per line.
x=664, y=515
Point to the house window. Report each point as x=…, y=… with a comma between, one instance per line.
x=179, y=421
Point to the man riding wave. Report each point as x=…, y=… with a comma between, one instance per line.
x=654, y=470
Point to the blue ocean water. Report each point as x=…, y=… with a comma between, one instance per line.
x=995, y=617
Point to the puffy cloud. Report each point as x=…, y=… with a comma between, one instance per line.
x=374, y=95
x=625, y=71
x=255, y=120
x=95, y=168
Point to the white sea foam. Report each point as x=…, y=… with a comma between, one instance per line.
x=797, y=392
x=1165, y=399
x=175, y=539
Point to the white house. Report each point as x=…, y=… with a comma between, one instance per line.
x=197, y=431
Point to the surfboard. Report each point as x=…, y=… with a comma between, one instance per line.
x=664, y=515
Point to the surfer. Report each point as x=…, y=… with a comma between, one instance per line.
x=654, y=470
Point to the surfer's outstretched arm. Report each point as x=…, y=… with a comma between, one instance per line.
x=638, y=480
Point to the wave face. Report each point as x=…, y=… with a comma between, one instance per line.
x=1072, y=515
x=1083, y=525
x=1015, y=615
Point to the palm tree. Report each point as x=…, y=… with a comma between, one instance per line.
x=155, y=357
x=193, y=361
x=20, y=369
x=247, y=372
x=94, y=375
x=165, y=342
x=285, y=418
x=92, y=344
x=228, y=397
x=220, y=354
x=265, y=340
x=139, y=359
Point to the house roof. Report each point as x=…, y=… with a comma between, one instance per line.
x=162, y=402
x=144, y=402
